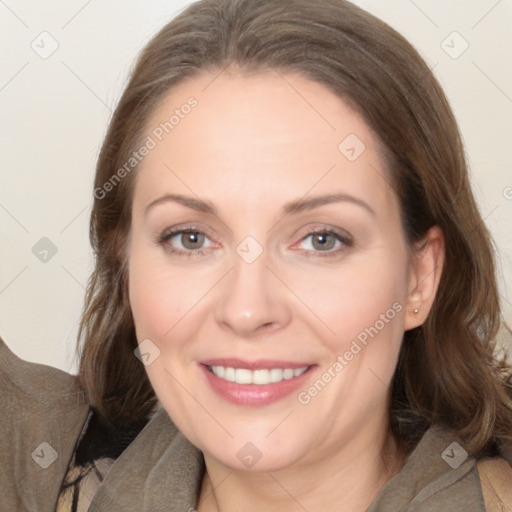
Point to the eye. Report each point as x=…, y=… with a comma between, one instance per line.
x=322, y=241
x=326, y=241
x=186, y=241
x=190, y=239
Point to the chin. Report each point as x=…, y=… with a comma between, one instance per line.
x=253, y=458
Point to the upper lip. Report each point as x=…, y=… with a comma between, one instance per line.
x=260, y=364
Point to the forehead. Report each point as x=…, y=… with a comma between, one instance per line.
x=266, y=136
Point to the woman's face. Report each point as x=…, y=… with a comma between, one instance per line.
x=266, y=240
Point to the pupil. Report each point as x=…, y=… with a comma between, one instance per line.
x=323, y=241
x=192, y=240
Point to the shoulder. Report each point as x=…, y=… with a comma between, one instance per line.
x=43, y=412
x=32, y=393
x=35, y=381
x=496, y=479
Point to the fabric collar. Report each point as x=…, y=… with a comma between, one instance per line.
x=162, y=470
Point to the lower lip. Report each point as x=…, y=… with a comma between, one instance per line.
x=254, y=395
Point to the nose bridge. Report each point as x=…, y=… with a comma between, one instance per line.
x=250, y=299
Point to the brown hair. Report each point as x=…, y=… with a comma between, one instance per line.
x=447, y=372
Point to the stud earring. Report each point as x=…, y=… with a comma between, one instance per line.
x=415, y=311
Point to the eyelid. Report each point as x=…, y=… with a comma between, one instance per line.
x=325, y=228
x=179, y=228
x=343, y=236
x=163, y=240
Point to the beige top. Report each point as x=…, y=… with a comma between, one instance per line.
x=43, y=414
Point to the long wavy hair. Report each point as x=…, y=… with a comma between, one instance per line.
x=448, y=372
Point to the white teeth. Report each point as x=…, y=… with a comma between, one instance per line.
x=229, y=374
x=258, y=377
x=276, y=375
x=243, y=376
x=299, y=371
x=288, y=374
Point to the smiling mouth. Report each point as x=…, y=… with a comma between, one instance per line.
x=261, y=377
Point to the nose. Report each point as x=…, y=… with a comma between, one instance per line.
x=252, y=300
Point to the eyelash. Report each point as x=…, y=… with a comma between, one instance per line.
x=164, y=238
x=340, y=236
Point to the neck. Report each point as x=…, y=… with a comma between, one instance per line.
x=346, y=478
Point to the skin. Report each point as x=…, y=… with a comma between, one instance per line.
x=253, y=144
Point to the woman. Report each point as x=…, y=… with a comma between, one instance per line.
x=294, y=301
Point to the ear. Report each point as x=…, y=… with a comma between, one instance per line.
x=425, y=268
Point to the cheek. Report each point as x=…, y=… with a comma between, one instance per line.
x=158, y=297
x=363, y=306
x=373, y=306
x=355, y=296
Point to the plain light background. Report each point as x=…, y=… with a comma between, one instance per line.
x=55, y=110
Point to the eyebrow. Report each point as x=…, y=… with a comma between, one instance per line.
x=308, y=204
x=290, y=208
x=194, y=204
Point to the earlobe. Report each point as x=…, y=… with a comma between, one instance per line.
x=426, y=266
